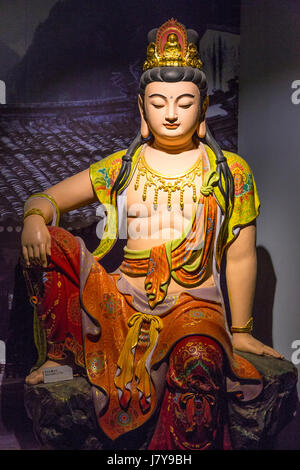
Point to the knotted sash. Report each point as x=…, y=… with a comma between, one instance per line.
x=125, y=370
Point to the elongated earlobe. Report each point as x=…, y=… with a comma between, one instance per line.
x=201, y=131
x=145, y=132
x=144, y=129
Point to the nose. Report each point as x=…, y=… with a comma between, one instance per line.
x=171, y=115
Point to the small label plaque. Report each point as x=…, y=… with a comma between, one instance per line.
x=57, y=374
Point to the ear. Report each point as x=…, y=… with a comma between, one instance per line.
x=201, y=131
x=144, y=126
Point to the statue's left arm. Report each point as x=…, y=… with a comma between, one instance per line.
x=241, y=261
x=241, y=279
x=241, y=275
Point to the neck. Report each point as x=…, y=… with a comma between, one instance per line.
x=173, y=148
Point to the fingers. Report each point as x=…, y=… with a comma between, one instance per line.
x=36, y=245
x=249, y=344
x=48, y=247
x=46, y=251
x=25, y=255
x=37, y=254
x=268, y=351
x=30, y=254
x=43, y=256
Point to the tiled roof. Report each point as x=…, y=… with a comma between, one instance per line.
x=43, y=144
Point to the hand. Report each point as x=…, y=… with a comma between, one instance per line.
x=35, y=240
x=246, y=342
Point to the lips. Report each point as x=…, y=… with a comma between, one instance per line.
x=171, y=126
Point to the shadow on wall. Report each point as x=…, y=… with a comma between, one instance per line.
x=264, y=297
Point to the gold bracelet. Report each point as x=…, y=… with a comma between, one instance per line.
x=243, y=329
x=34, y=211
x=52, y=202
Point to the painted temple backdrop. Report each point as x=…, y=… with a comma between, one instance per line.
x=69, y=72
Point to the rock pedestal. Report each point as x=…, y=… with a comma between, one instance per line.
x=63, y=415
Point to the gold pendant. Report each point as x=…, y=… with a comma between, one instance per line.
x=167, y=184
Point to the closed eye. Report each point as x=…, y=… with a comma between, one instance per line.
x=185, y=106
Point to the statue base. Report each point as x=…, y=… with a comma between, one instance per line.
x=63, y=415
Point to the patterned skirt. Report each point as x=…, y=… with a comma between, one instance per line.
x=179, y=361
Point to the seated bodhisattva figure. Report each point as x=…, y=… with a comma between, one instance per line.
x=153, y=336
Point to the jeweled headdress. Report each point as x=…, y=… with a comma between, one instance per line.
x=171, y=47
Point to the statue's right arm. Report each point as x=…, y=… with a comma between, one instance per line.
x=69, y=194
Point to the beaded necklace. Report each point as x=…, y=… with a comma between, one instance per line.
x=165, y=183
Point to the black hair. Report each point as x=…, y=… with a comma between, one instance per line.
x=176, y=74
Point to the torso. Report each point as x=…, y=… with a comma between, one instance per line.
x=148, y=227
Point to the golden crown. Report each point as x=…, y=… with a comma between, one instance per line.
x=171, y=48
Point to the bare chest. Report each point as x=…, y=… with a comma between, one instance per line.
x=160, y=208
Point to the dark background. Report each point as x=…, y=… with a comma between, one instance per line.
x=80, y=45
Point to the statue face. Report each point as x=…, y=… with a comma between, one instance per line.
x=172, y=39
x=172, y=110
